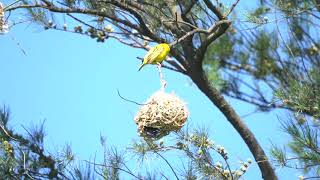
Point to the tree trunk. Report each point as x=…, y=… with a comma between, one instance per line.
x=199, y=78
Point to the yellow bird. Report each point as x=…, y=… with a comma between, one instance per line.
x=156, y=55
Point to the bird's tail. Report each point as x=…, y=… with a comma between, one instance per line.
x=141, y=66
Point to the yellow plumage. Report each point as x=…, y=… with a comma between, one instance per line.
x=156, y=54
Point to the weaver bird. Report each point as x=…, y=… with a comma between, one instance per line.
x=156, y=55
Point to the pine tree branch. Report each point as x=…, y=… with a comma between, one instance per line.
x=231, y=9
x=46, y=160
x=57, y=9
x=143, y=27
x=167, y=162
x=118, y=168
x=199, y=77
x=215, y=31
x=214, y=9
x=194, y=69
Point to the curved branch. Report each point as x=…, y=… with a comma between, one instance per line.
x=200, y=79
x=214, y=9
x=167, y=162
x=215, y=31
x=57, y=9
x=143, y=27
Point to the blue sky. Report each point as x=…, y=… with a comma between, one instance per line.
x=71, y=82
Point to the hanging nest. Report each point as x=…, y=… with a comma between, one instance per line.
x=162, y=114
x=3, y=25
x=1, y=16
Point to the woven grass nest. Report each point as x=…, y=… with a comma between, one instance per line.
x=161, y=114
x=3, y=25
x=1, y=16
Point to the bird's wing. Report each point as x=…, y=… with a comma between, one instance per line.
x=152, y=54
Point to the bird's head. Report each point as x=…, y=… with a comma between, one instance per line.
x=166, y=47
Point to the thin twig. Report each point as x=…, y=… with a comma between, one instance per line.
x=4, y=9
x=167, y=162
x=228, y=166
x=24, y=166
x=103, y=165
x=19, y=46
x=182, y=22
x=4, y=130
x=140, y=104
x=314, y=177
x=190, y=33
x=77, y=19
x=231, y=9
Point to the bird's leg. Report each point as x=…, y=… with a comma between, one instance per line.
x=163, y=82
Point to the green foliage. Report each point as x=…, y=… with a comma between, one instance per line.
x=214, y=76
x=303, y=96
x=303, y=148
x=279, y=155
x=37, y=15
x=189, y=172
x=26, y=157
x=260, y=11
x=257, y=16
x=221, y=49
x=204, y=157
x=289, y=6
x=263, y=46
x=82, y=172
x=113, y=161
x=7, y=160
x=250, y=63
x=70, y=3
x=300, y=90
